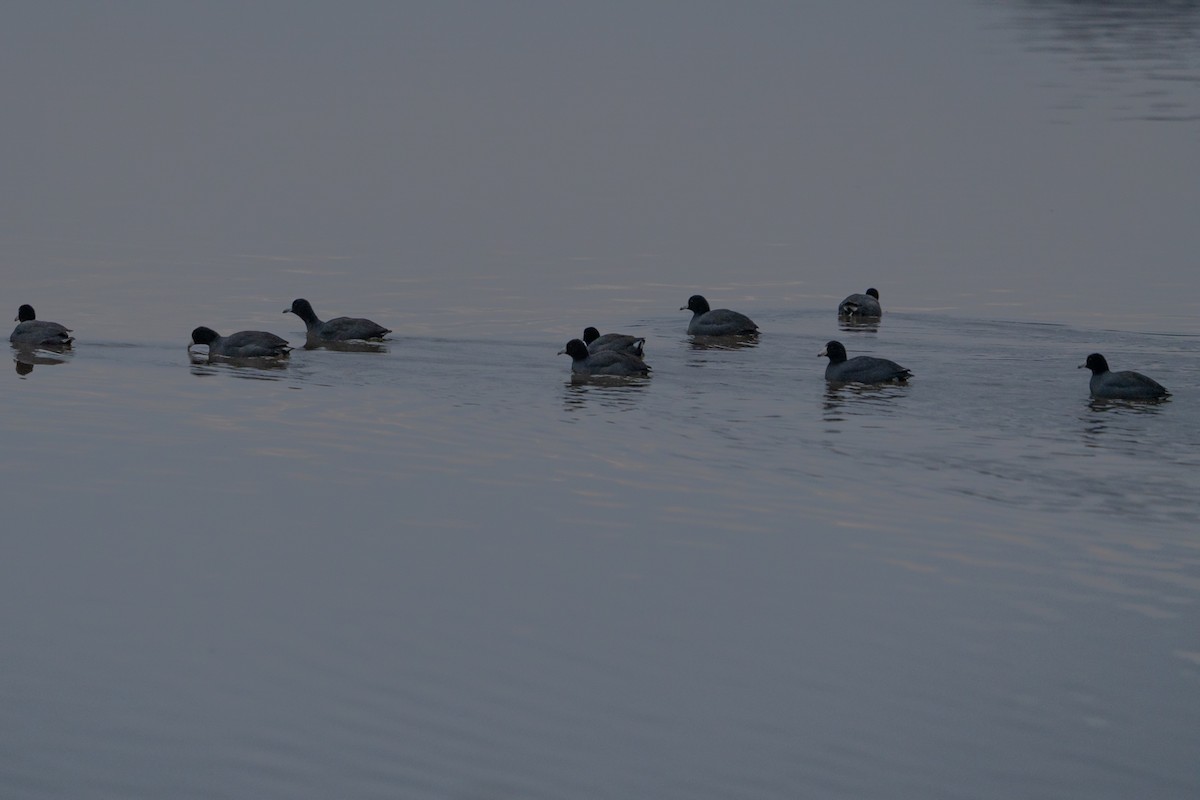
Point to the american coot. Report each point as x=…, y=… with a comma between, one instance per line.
x=34, y=332
x=243, y=344
x=338, y=329
x=860, y=369
x=620, y=342
x=716, y=322
x=605, y=362
x=861, y=305
x=1124, y=385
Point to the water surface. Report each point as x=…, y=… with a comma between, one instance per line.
x=445, y=569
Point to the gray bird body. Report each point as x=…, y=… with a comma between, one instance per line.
x=243, y=344
x=1124, y=385
x=604, y=362
x=860, y=369
x=34, y=332
x=861, y=305
x=338, y=329
x=716, y=322
x=620, y=342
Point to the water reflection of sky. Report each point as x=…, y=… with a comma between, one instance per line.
x=1146, y=53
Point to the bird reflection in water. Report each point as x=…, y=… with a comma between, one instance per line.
x=859, y=325
x=584, y=393
x=260, y=369
x=842, y=399
x=26, y=358
x=739, y=342
x=24, y=364
x=1118, y=422
x=1106, y=405
x=356, y=346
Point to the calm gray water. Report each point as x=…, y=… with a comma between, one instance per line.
x=446, y=570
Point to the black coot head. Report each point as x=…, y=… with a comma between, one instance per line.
x=835, y=351
x=576, y=349
x=301, y=308
x=203, y=335
x=1096, y=363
